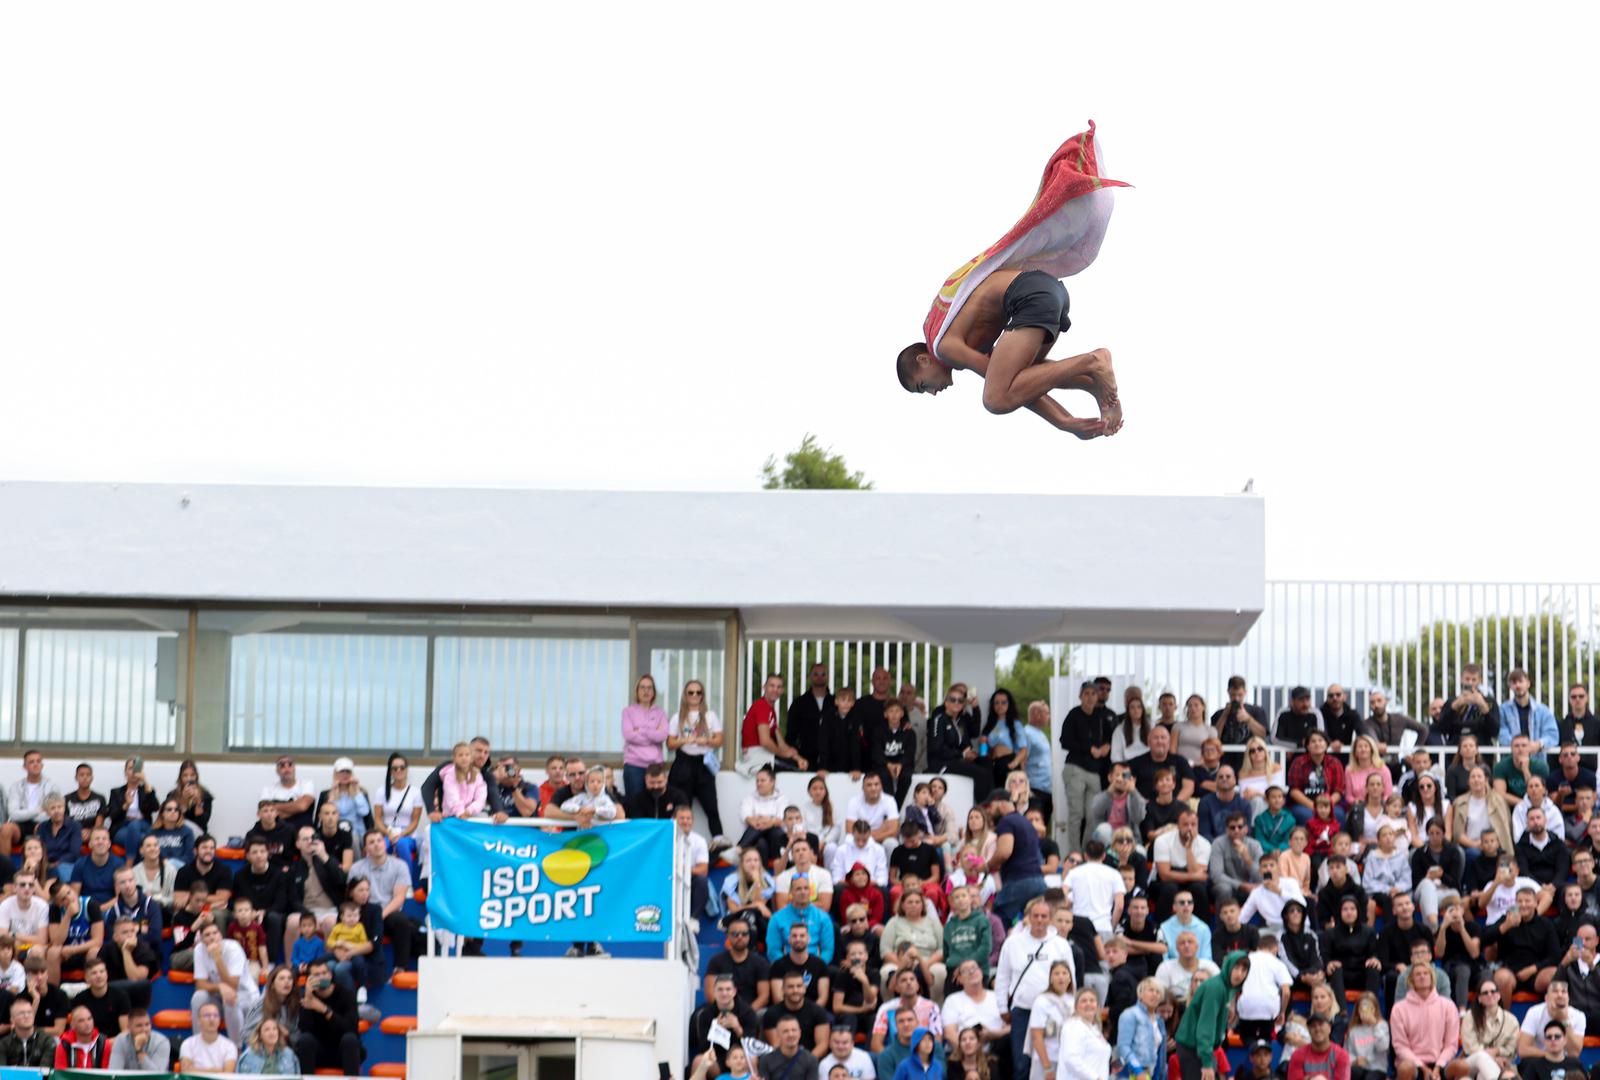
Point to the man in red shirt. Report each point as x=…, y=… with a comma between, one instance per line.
x=81, y=1045
x=760, y=741
x=1321, y=1058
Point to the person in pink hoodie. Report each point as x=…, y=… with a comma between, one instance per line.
x=463, y=791
x=644, y=729
x=1424, y=1028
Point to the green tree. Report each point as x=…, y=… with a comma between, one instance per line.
x=1028, y=677
x=812, y=467
x=1548, y=646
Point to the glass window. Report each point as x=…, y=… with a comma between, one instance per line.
x=327, y=690
x=97, y=687
x=531, y=693
x=8, y=682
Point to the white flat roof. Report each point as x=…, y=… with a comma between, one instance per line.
x=948, y=568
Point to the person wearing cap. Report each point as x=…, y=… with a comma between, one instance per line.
x=355, y=805
x=1258, y=1061
x=291, y=797
x=1016, y=857
x=1086, y=738
x=1320, y=1057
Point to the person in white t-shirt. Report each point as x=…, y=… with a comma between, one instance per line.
x=222, y=978
x=972, y=1004
x=878, y=810
x=23, y=915
x=1263, y=1002
x=694, y=859
x=762, y=814
x=208, y=1050
x=1555, y=1006
x=804, y=861
x=860, y=847
x=293, y=797
x=843, y=1051
x=1500, y=896
x=1096, y=890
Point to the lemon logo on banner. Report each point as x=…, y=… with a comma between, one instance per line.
x=571, y=863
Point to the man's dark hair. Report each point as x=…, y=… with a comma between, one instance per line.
x=656, y=768
x=1239, y=817
x=910, y=829
x=137, y=1013
x=255, y=843
x=1102, y=680
x=1235, y=682
x=1094, y=850
x=1299, y=692
x=905, y=365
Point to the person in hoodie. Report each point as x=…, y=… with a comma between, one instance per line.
x=922, y=1063
x=899, y=1048
x=892, y=752
x=1424, y=1028
x=1204, y=1026
x=1320, y=1057
x=81, y=1046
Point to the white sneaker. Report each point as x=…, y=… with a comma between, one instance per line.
x=361, y=995
x=596, y=949
x=574, y=950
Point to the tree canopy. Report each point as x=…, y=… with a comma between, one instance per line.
x=812, y=466
x=1549, y=647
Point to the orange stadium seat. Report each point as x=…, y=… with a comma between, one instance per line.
x=397, y=1025
x=172, y=1019
x=389, y=1068
x=404, y=980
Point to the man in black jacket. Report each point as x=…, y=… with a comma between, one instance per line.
x=1395, y=941
x=313, y=882
x=1086, y=737
x=268, y=889
x=726, y=1010
x=844, y=744
x=1470, y=710
x=1579, y=727
x=806, y=711
x=656, y=801
x=949, y=747
x=1528, y=947
x=328, y=1024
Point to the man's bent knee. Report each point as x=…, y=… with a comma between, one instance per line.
x=1000, y=401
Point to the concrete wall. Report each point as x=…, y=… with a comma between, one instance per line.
x=998, y=568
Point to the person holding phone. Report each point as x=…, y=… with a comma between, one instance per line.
x=328, y=1036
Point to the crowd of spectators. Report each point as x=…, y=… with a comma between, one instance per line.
x=283, y=951
x=1407, y=878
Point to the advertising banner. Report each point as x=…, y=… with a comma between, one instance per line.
x=612, y=883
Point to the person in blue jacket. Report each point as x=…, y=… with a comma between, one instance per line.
x=923, y=1062
x=1524, y=716
x=1142, y=1035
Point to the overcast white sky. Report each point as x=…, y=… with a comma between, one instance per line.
x=644, y=246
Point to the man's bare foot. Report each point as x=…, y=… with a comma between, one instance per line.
x=1084, y=427
x=1104, y=389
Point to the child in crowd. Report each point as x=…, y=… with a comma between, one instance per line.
x=860, y=889
x=344, y=941
x=593, y=797
x=1273, y=825
x=1296, y=862
x=12, y=977
x=1321, y=828
x=970, y=871
x=251, y=935
x=308, y=947
x=1368, y=1041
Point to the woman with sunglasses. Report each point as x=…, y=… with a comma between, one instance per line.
x=1258, y=772
x=1488, y=1039
x=399, y=815
x=695, y=733
x=175, y=837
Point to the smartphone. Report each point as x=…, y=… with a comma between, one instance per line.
x=138, y=764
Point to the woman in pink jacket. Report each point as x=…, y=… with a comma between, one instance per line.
x=463, y=791
x=644, y=729
x=1424, y=1028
